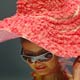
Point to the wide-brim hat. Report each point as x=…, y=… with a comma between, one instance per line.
x=52, y=24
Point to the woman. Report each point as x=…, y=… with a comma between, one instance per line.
x=53, y=25
x=76, y=69
x=45, y=65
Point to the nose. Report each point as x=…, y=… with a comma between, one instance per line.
x=38, y=62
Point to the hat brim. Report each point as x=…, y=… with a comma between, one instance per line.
x=5, y=36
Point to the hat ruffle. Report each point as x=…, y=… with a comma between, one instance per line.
x=55, y=28
x=58, y=9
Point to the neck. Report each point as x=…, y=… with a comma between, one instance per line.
x=58, y=75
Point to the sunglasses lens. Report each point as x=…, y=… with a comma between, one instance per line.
x=48, y=55
x=27, y=59
x=24, y=57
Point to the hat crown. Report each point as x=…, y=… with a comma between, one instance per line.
x=58, y=9
x=25, y=5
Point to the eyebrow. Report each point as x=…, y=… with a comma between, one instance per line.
x=31, y=53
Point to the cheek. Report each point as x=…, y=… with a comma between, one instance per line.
x=31, y=65
x=51, y=64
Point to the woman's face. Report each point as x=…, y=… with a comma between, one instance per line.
x=41, y=67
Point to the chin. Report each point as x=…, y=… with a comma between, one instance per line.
x=44, y=73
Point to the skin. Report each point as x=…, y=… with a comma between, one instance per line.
x=76, y=69
x=49, y=67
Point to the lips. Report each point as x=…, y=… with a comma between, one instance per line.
x=40, y=67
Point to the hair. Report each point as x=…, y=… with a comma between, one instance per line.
x=24, y=40
x=76, y=60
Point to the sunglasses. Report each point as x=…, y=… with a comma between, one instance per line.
x=43, y=57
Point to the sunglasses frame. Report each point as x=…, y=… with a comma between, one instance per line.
x=36, y=58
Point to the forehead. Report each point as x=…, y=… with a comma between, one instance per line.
x=29, y=47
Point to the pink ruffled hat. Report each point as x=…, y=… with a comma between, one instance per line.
x=51, y=24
